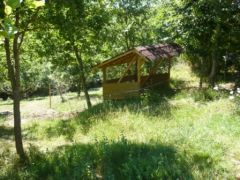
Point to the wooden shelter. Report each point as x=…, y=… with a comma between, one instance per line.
x=142, y=67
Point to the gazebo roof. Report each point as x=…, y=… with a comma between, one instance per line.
x=149, y=53
x=155, y=52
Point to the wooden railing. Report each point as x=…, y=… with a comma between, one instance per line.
x=129, y=87
x=120, y=90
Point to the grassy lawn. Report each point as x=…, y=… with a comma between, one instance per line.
x=169, y=133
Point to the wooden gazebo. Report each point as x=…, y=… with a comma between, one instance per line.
x=142, y=67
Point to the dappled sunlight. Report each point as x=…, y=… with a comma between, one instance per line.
x=181, y=72
x=6, y=133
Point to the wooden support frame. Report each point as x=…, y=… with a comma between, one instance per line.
x=140, y=62
x=104, y=74
x=169, y=65
x=129, y=65
x=154, y=69
x=116, y=60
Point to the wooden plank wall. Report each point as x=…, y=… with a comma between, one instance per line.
x=120, y=90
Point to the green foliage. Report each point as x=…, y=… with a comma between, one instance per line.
x=13, y=3
x=205, y=29
x=208, y=95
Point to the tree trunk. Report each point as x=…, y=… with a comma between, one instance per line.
x=17, y=124
x=16, y=93
x=60, y=93
x=212, y=75
x=50, y=95
x=14, y=76
x=200, y=81
x=126, y=41
x=214, y=56
x=83, y=79
x=201, y=74
x=79, y=88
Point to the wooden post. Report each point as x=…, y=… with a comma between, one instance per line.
x=169, y=65
x=50, y=96
x=129, y=65
x=155, y=68
x=139, y=65
x=104, y=74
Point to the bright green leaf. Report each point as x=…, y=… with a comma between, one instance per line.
x=39, y=3
x=8, y=10
x=34, y=4
x=13, y=3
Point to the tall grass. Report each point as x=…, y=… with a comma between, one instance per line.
x=168, y=133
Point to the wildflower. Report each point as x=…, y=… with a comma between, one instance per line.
x=238, y=90
x=231, y=97
x=216, y=88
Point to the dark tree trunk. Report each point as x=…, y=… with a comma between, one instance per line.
x=17, y=124
x=214, y=57
x=79, y=88
x=126, y=41
x=212, y=76
x=16, y=93
x=83, y=79
x=201, y=74
x=14, y=76
x=201, y=82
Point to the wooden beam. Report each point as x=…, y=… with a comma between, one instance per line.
x=154, y=69
x=129, y=65
x=169, y=65
x=113, y=60
x=140, y=62
x=104, y=75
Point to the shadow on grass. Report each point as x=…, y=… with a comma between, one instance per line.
x=82, y=97
x=107, y=160
x=153, y=103
x=178, y=84
x=6, y=132
x=35, y=98
x=6, y=103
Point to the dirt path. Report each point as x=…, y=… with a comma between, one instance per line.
x=32, y=112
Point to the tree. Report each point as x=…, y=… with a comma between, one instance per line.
x=79, y=24
x=17, y=18
x=128, y=25
x=203, y=27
